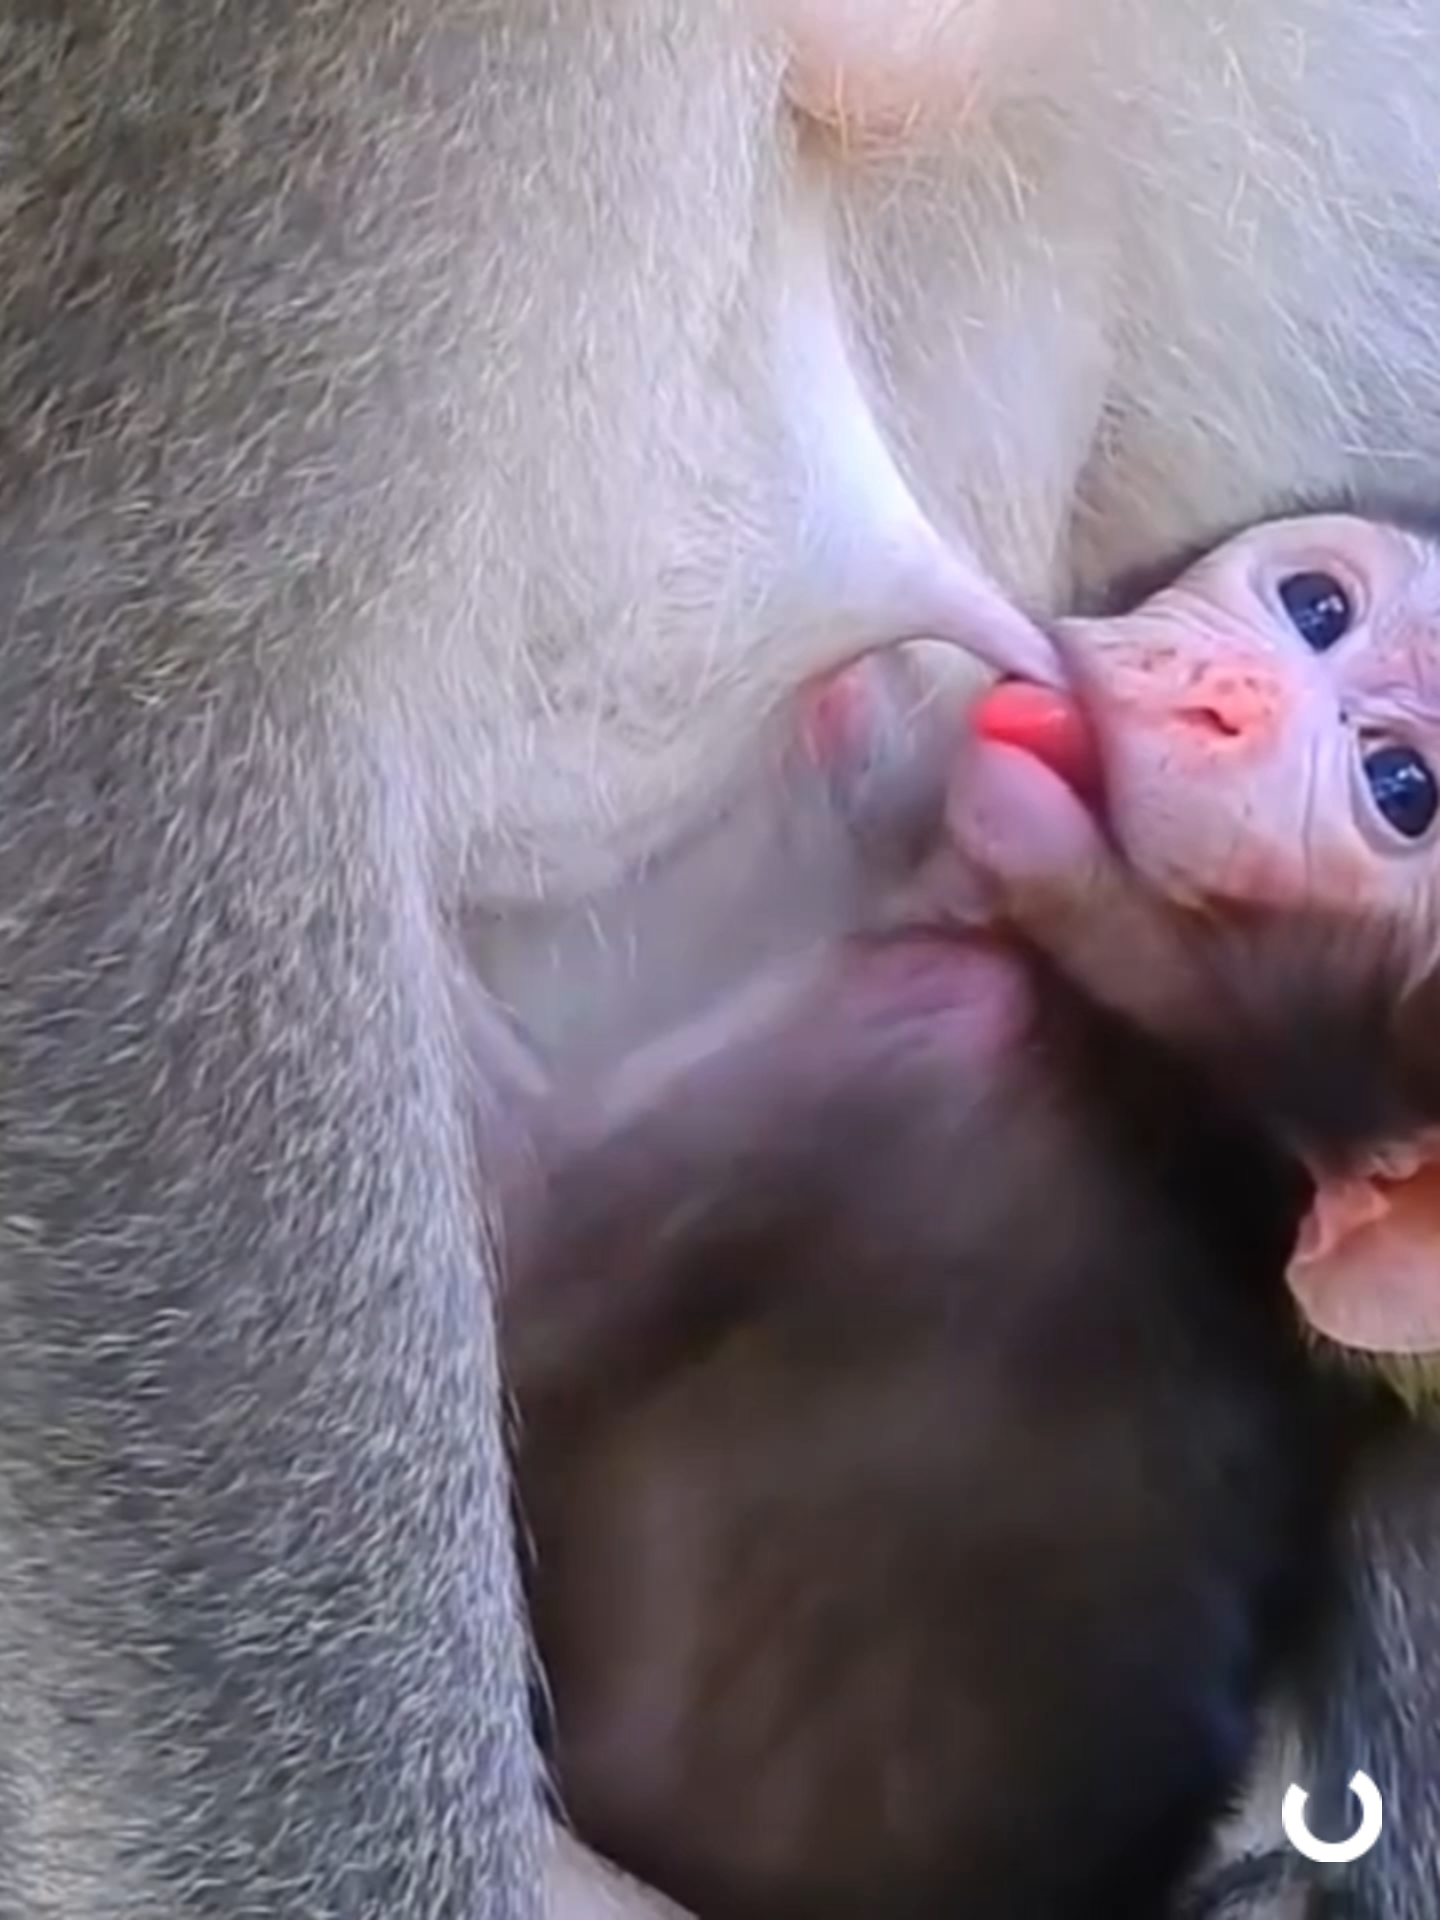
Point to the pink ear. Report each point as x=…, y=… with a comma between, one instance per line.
x=1366, y=1270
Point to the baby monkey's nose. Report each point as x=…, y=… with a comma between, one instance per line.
x=1229, y=702
x=1214, y=700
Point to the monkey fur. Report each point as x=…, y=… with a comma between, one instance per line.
x=431, y=454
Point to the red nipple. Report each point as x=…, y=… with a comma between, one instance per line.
x=1045, y=723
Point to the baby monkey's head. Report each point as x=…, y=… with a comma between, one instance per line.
x=1295, y=671
x=1227, y=825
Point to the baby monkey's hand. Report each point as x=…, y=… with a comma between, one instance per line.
x=883, y=734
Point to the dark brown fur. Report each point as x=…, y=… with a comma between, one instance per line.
x=923, y=1467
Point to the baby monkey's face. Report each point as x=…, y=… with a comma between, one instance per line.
x=1227, y=826
x=1268, y=727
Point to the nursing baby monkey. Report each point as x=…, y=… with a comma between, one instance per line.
x=932, y=1485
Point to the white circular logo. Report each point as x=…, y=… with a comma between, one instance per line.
x=1334, y=1852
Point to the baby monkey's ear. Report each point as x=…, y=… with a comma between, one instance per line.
x=1366, y=1269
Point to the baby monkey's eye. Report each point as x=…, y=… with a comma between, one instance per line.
x=1403, y=789
x=1319, y=608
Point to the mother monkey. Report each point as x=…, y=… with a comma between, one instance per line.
x=433, y=442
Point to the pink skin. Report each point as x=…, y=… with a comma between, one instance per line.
x=1229, y=754
x=878, y=66
x=832, y=718
x=1230, y=751
x=1230, y=759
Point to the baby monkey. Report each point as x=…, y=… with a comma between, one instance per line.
x=1288, y=929
x=928, y=1472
